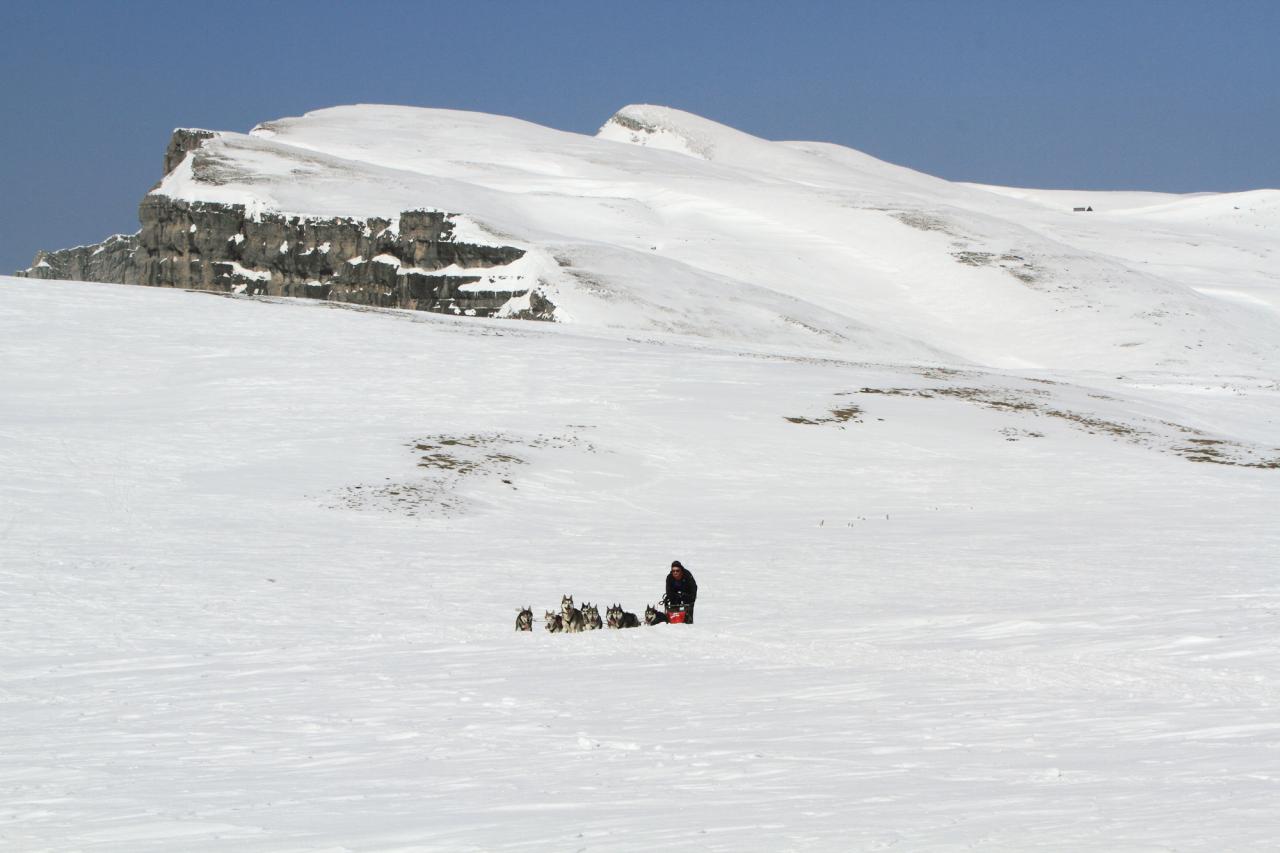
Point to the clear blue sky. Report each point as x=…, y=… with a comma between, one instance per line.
x=1175, y=96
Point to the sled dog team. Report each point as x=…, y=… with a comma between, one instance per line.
x=572, y=619
x=681, y=594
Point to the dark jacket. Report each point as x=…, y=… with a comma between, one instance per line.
x=683, y=591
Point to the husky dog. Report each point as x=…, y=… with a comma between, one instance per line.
x=653, y=616
x=612, y=616
x=591, y=615
x=554, y=622
x=619, y=618
x=524, y=622
x=572, y=616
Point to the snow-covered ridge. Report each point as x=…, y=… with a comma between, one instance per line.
x=666, y=221
x=667, y=130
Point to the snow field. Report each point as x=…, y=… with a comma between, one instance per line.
x=245, y=609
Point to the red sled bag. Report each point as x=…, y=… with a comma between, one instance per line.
x=676, y=617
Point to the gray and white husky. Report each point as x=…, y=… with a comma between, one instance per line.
x=591, y=615
x=653, y=616
x=573, y=619
x=554, y=622
x=619, y=618
x=524, y=620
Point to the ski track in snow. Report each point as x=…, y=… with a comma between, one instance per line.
x=922, y=628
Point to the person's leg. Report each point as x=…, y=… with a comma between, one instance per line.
x=688, y=618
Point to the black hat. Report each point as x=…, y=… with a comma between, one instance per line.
x=675, y=564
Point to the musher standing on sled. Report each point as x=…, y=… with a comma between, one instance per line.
x=682, y=590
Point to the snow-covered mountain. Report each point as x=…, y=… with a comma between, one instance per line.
x=667, y=222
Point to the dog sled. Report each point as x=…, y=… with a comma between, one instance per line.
x=677, y=614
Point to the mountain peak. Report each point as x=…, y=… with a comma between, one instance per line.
x=669, y=129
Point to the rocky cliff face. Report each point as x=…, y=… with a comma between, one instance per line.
x=393, y=264
x=183, y=140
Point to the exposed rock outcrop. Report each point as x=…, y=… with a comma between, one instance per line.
x=110, y=260
x=182, y=141
x=380, y=262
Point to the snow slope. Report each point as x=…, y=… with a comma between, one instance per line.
x=667, y=222
x=260, y=560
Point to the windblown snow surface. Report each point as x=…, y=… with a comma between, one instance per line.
x=986, y=560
